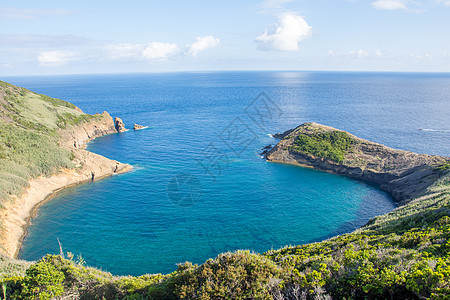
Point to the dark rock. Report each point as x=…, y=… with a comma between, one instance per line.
x=120, y=126
x=403, y=174
x=265, y=150
x=138, y=127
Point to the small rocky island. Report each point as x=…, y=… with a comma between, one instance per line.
x=138, y=127
x=404, y=254
x=120, y=126
x=403, y=174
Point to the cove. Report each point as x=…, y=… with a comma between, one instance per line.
x=127, y=224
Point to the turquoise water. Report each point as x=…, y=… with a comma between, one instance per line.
x=205, y=132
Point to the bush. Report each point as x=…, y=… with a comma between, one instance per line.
x=332, y=145
x=27, y=154
x=42, y=281
x=239, y=275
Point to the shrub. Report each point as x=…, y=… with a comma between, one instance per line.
x=27, y=154
x=332, y=145
x=42, y=281
x=239, y=275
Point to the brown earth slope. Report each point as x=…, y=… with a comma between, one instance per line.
x=403, y=174
x=24, y=114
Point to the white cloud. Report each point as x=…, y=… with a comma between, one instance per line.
x=43, y=42
x=124, y=51
x=407, y=5
x=269, y=5
x=201, y=44
x=159, y=51
x=360, y=54
x=411, y=6
x=23, y=13
x=444, y=2
x=290, y=30
x=389, y=4
x=55, y=58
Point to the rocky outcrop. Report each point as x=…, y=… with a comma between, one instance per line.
x=120, y=126
x=138, y=127
x=265, y=150
x=77, y=136
x=16, y=214
x=403, y=174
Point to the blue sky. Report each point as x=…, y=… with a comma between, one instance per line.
x=69, y=37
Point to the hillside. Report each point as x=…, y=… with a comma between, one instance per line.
x=41, y=151
x=401, y=255
x=403, y=174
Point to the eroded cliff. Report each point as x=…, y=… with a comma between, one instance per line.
x=404, y=174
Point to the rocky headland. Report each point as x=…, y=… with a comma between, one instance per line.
x=403, y=174
x=404, y=254
x=72, y=129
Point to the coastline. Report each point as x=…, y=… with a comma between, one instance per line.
x=49, y=196
x=404, y=175
x=16, y=214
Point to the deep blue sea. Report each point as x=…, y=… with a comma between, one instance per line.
x=199, y=186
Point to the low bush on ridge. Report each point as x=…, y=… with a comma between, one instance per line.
x=402, y=255
x=331, y=145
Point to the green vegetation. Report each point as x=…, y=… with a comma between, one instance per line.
x=332, y=145
x=29, y=123
x=402, y=255
x=26, y=154
x=38, y=112
x=444, y=167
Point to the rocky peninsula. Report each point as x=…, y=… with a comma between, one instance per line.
x=404, y=254
x=403, y=174
x=26, y=115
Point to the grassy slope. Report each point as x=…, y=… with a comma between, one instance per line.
x=29, y=123
x=403, y=254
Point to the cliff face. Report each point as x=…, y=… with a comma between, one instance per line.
x=403, y=174
x=58, y=132
x=91, y=166
x=77, y=137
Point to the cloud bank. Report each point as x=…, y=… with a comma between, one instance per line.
x=153, y=51
x=290, y=30
x=390, y=4
x=23, y=13
x=55, y=58
x=201, y=44
x=159, y=51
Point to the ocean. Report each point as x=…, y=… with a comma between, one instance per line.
x=199, y=185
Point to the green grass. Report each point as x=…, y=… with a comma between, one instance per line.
x=29, y=126
x=332, y=145
x=444, y=167
x=401, y=255
x=26, y=154
x=40, y=112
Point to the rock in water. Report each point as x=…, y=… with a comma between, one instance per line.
x=137, y=127
x=120, y=126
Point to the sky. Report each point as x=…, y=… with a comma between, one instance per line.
x=80, y=37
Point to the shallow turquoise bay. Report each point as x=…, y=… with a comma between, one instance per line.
x=138, y=222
